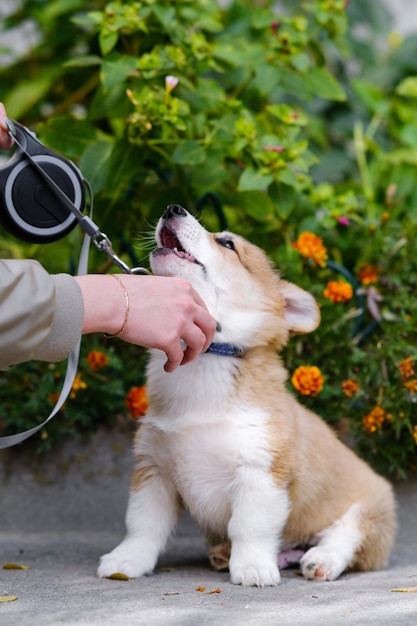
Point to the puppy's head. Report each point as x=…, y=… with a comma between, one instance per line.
x=252, y=304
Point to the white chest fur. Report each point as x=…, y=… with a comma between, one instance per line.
x=201, y=435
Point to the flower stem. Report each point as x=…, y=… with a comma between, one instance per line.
x=360, y=149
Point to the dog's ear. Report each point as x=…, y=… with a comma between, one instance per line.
x=301, y=310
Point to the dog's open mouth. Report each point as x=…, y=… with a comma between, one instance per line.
x=171, y=244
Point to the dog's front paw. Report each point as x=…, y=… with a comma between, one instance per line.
x=129, y=558
x=250, y=574
x=321, y=564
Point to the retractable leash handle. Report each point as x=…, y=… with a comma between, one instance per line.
x=28, y=144
x=49, y=224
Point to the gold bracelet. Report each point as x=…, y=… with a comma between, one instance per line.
x=127, y=309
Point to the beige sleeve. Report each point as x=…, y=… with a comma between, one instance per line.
x=41, y=315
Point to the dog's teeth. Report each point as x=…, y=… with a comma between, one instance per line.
x=183, y=254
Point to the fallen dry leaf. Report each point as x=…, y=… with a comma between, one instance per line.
x=8, y=598
x=118, y=576
x=203, y=590
x=14, y=566
x=406, y=589
x=171, y=593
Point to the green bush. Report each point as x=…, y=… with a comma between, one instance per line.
x=273, y=124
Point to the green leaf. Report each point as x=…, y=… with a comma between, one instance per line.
x=61, y=7
x=240, y=54
x=213, y=174
x=205, y=96
x=166, y=15
x=300, y=61
x=107, y=40
x=371, y=95
x=266, y=80
x=116, y=69
x=69, y=138
x=189, y=153
x=26, y=94
x=257, y=204
x=408, y=87
x=95, y=163
x=289, y=177
x=404, y=155
x=284, y=199
x=251, y=179
x=408, y=135
x=295, y=83
x=125, y=162
x=88, y=21
x=324, y=85
x=84, y=61
x=287, y=114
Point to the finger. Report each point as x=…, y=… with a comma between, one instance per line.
x=175, y=356
x=2, y=115
x=207, y=325
x=195, y=344
x=5, y=140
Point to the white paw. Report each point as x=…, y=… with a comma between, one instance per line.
x=130, y=559
x=265, y=574
x=320, y=563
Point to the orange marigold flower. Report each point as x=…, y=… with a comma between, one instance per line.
x=338, y=291
x=374, y=420
x=97, y=360
x=77, y=385
x=308, y=380
x=137, y=401
x=53, y=399
x=411, y=385
x=311, y=246
x=368, y=274
x=406, y=367
x=350, y=387
x=415, y=434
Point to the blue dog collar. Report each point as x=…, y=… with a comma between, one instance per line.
x=224, y=349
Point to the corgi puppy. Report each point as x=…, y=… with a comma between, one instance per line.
x=224, y=438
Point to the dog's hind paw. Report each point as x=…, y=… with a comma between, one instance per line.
x=219, y=556
x=321, y=564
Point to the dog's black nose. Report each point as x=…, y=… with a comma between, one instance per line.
x=174, y=210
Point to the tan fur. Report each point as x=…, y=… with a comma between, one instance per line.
x=141, y=473
x=323, y=477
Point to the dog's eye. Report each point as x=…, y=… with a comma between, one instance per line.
x=226, y=243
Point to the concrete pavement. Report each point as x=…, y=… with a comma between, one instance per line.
x=59, y=515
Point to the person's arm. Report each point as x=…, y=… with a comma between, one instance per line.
x=162, y=312
x=42, y=316
x=29, y=314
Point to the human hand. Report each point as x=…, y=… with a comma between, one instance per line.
x=6, y=141
x=162, y=312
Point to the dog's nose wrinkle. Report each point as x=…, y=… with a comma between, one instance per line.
x=173, y=210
